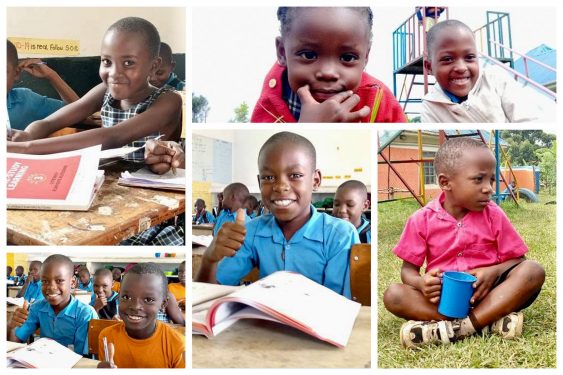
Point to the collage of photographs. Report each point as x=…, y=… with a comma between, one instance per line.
x=288, y=256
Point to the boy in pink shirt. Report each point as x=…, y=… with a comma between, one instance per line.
x=462, y=230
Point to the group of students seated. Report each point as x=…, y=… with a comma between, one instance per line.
x=143, y=302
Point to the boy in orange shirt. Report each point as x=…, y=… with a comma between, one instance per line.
x=178, y=290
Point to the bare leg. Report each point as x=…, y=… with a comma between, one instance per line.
x=407, y=302
x=522, y=282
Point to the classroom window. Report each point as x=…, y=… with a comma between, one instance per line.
x=429, y=172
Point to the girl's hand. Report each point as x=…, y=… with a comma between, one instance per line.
x=432, y=285
x=338, y=108
x=486, y=277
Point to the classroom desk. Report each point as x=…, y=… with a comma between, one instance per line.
x=82, y=295
x=202, y=229
x=118, y=212
x=86, y=363
x=256, y=343
x=13, y=291
x=197, y=253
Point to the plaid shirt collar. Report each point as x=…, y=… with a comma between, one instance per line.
x=290, y=97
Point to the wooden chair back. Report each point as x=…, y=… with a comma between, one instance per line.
x=360, y=273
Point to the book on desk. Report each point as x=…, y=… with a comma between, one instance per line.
x=171, y=180
x=66, y=181
x=283, y=297
x=43, y=353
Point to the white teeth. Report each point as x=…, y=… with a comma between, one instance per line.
x=135, y=317
x=283, y=203
x=460, y=81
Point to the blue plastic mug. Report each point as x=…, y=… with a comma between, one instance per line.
x=457, y=289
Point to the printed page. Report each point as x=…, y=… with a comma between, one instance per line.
x=202, y=240
x=45, y=353
x=202, y=292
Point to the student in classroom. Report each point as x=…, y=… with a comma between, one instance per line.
x=251, y=206
x=86, y=282
x=234, y=196
x=20, y=277
x=467, y=92
x=488, y=247
x=24, y=105
x=178, y=290
x=9, y=270
x=319, y=74
x=59, y=316
x=132, y=110
x=104, y=300
x=202, y=216
x=217, y=210
x=350, y=203
x=116, y=273
x=295, y=237
x=165, y=75
x=140, y=340
x=31, y=289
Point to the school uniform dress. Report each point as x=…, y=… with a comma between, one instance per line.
x=174, y=82
x=319, y=250
x=495, y=98
x=87, y=287
x=277, y=103
x=33, y=292
x=226, y=216
x=111, y=309
x=26, y=106
x=20, y=280
x=479, y=239
x=204, y=217
x=364, y=231
x=68, y=328
x=177, y=290
x=164, y=349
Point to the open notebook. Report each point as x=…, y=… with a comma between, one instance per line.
x=43, y=353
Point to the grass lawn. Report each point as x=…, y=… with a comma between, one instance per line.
x=537, y=346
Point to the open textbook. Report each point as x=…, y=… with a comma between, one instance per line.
x=43, y=353
x=145, y=178
x=284, y=297
x=63, y=181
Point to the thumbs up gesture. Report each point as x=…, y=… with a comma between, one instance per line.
x=229, y=239
x=20, y=316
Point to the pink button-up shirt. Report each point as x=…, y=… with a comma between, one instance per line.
x=479, y=239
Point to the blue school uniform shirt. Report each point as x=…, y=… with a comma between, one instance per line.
x=209, y=218
x=226, y=216
x=33, y=292
x=26, y=106
x=364, y=224
x=319, y=250
x=69, y=327
x=111, y=309
x=174, y=82
x=88, y=287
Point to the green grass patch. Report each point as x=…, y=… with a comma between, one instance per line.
x=537, y=346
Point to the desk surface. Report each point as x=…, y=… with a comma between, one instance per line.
x=255, y=343
x=117, y=213
x=202, y=229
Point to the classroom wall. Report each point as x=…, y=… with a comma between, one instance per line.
x=88, y=25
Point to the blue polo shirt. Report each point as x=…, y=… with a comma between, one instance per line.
x=33, y=292
x=320, y=250
x=111, y=309
x=209, y=218
x=226, y=216
x=69, y=327
x=26, y=106
x=88, y=287
x=365, y=223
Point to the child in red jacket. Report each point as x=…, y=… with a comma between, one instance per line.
x=319, y=75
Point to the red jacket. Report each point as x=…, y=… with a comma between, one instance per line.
x=272, y=108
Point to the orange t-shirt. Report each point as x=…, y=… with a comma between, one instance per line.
x=177, y=290
x=116, y=286
x=164, y=349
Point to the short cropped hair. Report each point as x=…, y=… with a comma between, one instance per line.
x=286, y=15
x=199, y=200
x=253, y=201
x=11, y=54
x=452, y=151
x=150, y=269
x=84, y=269
x=59, y=258
x=434, y=32
x=284, y=138
x=355, y=185
x=103, y=272
x=238, y=190
x=143, y=27
x=166, y=54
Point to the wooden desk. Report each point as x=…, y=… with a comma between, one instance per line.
x=197, y=253
x=255, y=343
x=86, y=363
x=13, y=291
x=117, y=213
x=202, y=229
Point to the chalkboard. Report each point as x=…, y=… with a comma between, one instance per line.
x=81, y=74
x=212, y=160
